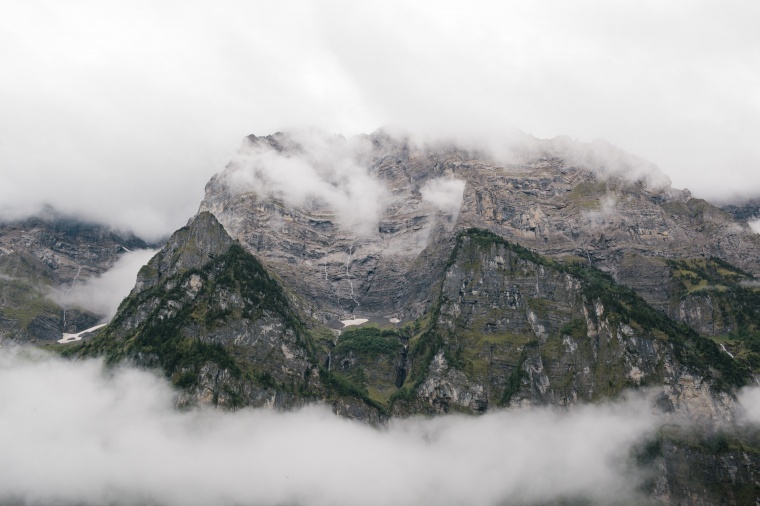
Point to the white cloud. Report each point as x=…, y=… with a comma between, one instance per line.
x=445, y=194
x=607, y=211
x=754, y=225
x=749, y=398
x=103, y=294
x=122, y=111
x=320, y=171
x=73, y=433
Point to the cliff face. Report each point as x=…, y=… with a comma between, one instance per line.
x=42, y=254
x=558, y=198
x=214, y=320
x=516, y=328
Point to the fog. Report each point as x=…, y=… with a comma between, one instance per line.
x=103, y=294
x=445, y=194
x=120, y=112
x=74, y=432
x=749, y=398
x=327, y=173
x=323, y=170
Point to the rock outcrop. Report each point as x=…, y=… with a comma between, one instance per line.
x=49, y=253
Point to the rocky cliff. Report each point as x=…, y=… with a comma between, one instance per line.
x=559, y=198
x=744, y=211
x=46, y=254
x=517, y=328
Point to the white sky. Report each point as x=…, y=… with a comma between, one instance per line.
x=122, y=110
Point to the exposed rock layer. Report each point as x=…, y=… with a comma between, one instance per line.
x=546, y=198
x=43, y=254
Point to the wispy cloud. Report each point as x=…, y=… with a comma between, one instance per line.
x=445, y=194
x=103, y=294
x=317, y=172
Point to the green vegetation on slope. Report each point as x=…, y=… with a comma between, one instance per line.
x=734, y=297
x=623, y=305
x=164, y=338
x=369, y=341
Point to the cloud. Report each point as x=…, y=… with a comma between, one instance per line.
x=103, y=294
x=607, y=211
x=316, y=171
x=754, y=225
x=73, y=432
x=445, y=194
x=121, y=112
x=607, y=160
x=749, y=398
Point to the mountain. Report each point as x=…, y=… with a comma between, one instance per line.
x=46, y=255
x=389, y=278
x=559, y=199
x=744, y=211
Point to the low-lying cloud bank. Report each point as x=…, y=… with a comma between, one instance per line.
x=72, y=432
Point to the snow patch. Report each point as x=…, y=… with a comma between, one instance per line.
x=356, y=321
x=68, y=338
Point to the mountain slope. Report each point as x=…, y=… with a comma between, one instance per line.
x=514, y=327
x=43, y=255
x=210, y=316
x=507, y=327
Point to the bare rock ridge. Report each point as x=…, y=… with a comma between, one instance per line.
x=746, y=211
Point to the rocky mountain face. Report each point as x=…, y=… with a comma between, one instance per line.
x=552, y=278
x=221, y=327
x=560, y=201
x=47, y=254
x=746, y=211
x=516, y=328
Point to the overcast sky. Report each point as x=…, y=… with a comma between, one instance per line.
x=122, y=110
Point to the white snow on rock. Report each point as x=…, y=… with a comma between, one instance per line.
x=68, y=338
x=356, y=321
